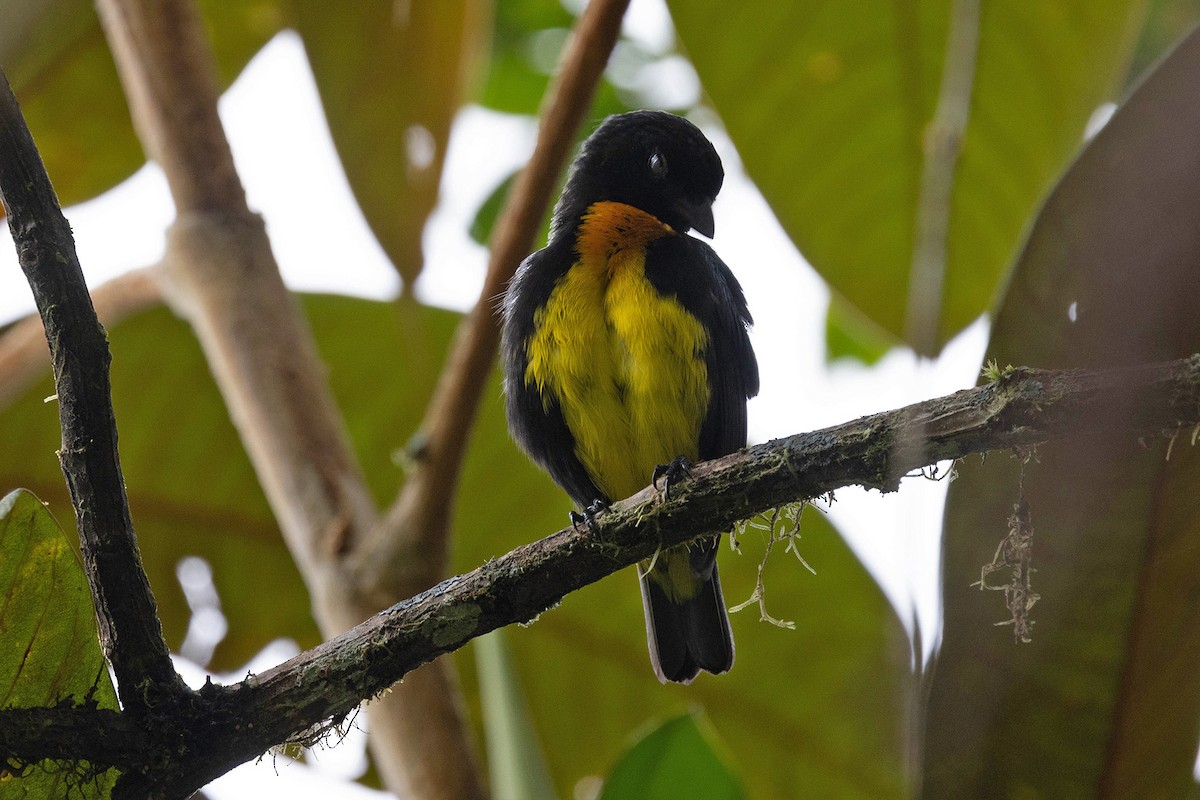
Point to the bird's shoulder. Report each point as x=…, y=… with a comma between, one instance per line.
x=691, y=270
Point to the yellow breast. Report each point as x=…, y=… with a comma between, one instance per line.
x=625, y=363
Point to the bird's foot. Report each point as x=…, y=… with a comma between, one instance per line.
x=586, y=522
x=677, y=471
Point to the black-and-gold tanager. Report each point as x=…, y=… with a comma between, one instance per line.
x=625, y=347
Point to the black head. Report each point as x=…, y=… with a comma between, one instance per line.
x=651, y=160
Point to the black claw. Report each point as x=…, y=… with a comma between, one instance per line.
x=677, y=471
x=588, y=517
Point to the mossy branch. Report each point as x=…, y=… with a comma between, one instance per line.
x=231, y=724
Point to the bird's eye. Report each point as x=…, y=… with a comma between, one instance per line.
x=658, y=165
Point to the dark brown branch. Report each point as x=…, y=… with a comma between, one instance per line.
x=100, y=736
x=129, y=628
x=1022, y=410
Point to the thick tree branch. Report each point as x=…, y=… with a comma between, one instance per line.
x=166, y=70
x=1023, y=410
x=129, y=628
x=63, y=732
x=417, y=525
x=220, y=273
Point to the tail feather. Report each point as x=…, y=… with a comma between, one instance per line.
x=687, y=634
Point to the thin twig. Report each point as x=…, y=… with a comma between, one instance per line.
x=417, y=524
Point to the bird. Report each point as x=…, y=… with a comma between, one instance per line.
x=626, y=354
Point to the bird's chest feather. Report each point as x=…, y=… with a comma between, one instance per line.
x=625, y=363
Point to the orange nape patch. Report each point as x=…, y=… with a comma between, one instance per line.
x=610, y=227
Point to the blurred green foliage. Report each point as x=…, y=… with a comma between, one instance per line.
x=676, y=759
x=827, y=104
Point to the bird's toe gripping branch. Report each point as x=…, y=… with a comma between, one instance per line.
x=679, y=470
x=587, y=520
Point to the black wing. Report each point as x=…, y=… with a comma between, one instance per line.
x=705, y=286
x=536, y=422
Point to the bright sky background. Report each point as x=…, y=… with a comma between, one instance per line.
x=288, y=164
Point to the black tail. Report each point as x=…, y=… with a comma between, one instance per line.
x=686, y=634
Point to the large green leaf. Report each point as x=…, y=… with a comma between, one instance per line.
x=50, y=650
x=63, y=75
x=828, y=104
x=831, y=694
x=1104, y=701
x=676, y=759
x=62, y=72
x=391, y=77
x=1167, y=21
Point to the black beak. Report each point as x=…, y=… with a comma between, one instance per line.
x=698, y=215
